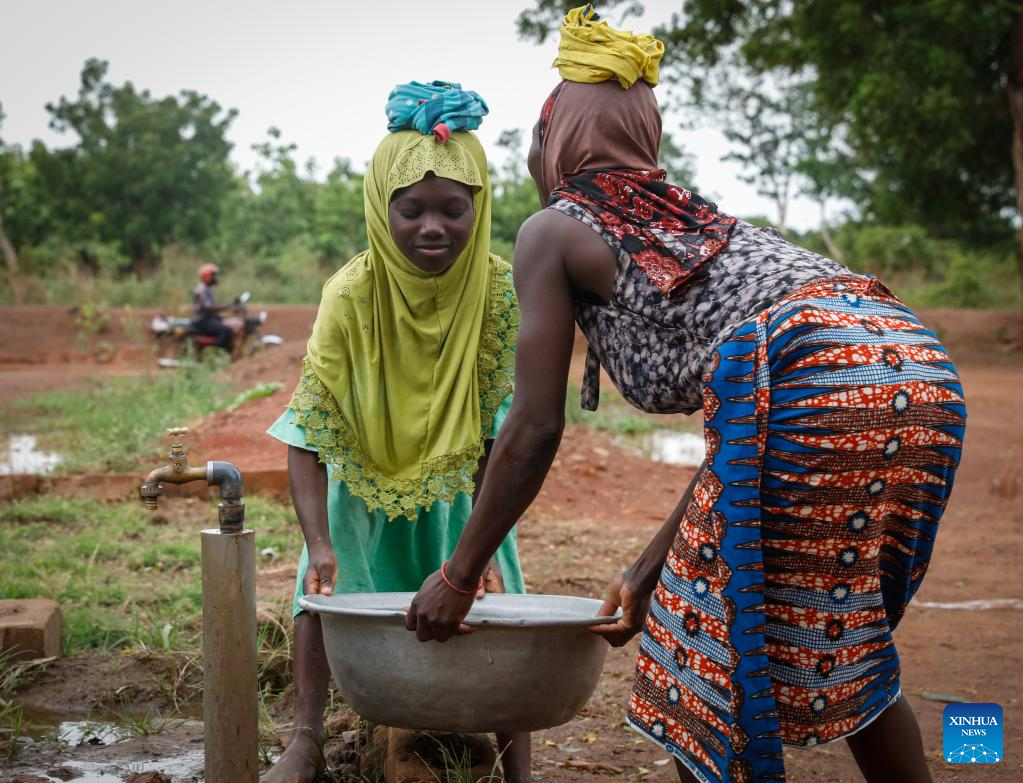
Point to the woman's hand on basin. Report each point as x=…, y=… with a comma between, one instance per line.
x=634, y=603
x=437, y=611
x=321, y=575
x=493, y=581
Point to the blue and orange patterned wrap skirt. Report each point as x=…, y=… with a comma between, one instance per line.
x=834, y=425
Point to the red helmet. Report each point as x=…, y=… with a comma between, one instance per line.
x=206, y=272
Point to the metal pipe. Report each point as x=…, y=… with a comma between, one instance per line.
x=232, y=509
x=230, y=690
x=230, y=678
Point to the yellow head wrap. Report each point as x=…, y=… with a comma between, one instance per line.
x=593, y=51
x=405, y=369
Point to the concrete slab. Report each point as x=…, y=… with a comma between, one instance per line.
x=31, y=628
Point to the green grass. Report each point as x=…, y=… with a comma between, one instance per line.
x=12, y=716
x=450, y=760
x=12, y=720
x=127, y=584
x=142, y=725
x=117, y=422
x=123, y=582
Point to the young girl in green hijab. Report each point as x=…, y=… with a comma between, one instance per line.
x=406, y=380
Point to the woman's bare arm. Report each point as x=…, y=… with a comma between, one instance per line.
x=493, y=579
x=632, y=588
x=644, y=573
x=529, y=439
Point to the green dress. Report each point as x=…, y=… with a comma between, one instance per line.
x=377, y=555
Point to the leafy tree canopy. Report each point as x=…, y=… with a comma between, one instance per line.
x=916, y=90
x=144, y=171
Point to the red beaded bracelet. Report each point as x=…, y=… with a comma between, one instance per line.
x=453, y=586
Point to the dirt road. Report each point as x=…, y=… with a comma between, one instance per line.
x=601, y=503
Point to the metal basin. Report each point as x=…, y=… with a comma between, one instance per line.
x=531, y=665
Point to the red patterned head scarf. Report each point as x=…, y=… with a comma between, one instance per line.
x=598, y=147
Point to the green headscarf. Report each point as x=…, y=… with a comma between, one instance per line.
x=405, y=369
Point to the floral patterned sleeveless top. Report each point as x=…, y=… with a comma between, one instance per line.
x=655, y=349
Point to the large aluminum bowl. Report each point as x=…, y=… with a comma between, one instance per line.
x=532, y=663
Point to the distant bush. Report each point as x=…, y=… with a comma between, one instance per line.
x=295, y=275
x=977, y=280
x=893, y=250
x=923, y=270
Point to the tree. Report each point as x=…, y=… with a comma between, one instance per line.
x=826, y=171
x=145, y=171
x=9, y=162
x=768, y=135
x=545, y=17
x=679, y=164
x=1016, y=109
x=284, y=208
x=339, y=229
x=515, y=195
x=918, y=90
x=280, y=203
x=23, y=211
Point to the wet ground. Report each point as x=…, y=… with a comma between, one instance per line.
x=55, y=748
x=21, y=454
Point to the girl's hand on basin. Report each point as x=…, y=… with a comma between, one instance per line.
x=437, y=611
x=635, y=604
x=321, y=575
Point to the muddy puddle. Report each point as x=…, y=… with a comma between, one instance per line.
x=56, y=747
x=21, y=454
x=670, y=446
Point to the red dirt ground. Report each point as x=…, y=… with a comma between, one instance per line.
x=601, y=503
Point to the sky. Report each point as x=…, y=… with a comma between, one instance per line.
x=318, y=70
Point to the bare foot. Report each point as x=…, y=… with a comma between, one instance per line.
x=301, y=762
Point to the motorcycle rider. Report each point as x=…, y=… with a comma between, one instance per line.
x=205, y=310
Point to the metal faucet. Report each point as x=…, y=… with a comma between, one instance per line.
x=215, y=473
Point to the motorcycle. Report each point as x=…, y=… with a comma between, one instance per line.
x=176, y=337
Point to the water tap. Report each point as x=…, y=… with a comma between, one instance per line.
x=215, y=473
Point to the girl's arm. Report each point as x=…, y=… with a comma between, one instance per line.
x=308, y=479
x=529, y=439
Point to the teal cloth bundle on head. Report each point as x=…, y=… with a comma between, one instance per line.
x=440, y=108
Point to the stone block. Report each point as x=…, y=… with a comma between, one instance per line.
x=31, y=628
